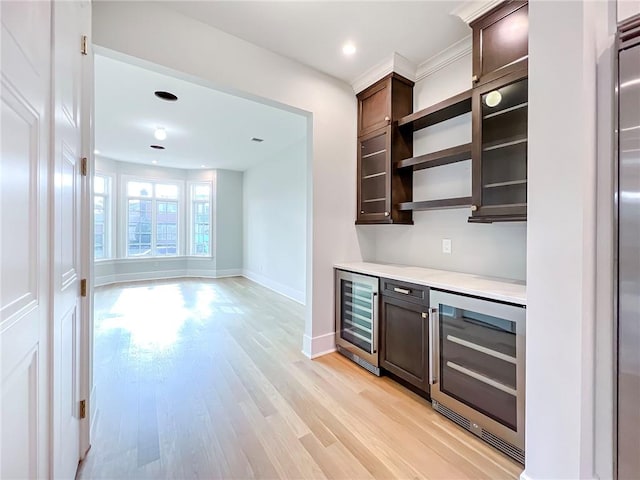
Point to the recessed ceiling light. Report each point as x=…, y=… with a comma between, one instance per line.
x=168, y=96
x=160, y=133
x=154, y=161
x=349, y=48
x=96, y=152
x=157, y=147
x=257, y=140
x=203, y=166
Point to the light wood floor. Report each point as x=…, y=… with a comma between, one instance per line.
x=205, y=379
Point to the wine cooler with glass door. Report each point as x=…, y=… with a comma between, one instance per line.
x=477, y=369
x=357, y=318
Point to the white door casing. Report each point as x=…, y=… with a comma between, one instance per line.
x=67, y=265
x=87, y=390
x=25, y=93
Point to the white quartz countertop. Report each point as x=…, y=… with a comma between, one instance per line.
x=511, y=291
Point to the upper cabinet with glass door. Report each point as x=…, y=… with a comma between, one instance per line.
x=500, y=111
x=381, y=145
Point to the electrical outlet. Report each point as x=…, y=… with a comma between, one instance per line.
x=446, y=245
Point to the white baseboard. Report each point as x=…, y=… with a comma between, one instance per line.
x=525, y=476
x=165, y=274
x=231, y=272
x=138, y=276
x=295, y=295
x=314, y=347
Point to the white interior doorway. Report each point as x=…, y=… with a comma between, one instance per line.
x=228, y=195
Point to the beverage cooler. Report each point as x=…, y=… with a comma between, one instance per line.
x=357, y=318
x=476, y=368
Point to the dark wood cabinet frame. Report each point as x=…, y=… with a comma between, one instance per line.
x=487, y=51
x=486, y=213
x=418, y=376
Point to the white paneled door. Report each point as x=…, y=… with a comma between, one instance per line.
x=25, y=92
x=67, y=325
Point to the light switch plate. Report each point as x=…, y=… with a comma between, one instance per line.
x=446, y=245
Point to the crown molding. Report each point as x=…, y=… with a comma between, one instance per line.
x=394, y=63
x=473, y=9
x=446, y=57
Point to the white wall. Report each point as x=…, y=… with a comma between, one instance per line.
x=228, y=224
x=565, y=45
x=627, y=9
x=226, y=258
x=275, y=216
x=192, y=50
x=497, y=249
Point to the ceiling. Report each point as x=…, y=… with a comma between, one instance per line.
x=313, y=32
x=204, y=127
x=211, y=128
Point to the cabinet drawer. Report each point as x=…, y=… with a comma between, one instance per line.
x=409, y=292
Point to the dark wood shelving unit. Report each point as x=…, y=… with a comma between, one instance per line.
x=498, y=218
x=440, y=112
x=444, y=110
x=436, y=204
x=437, y=159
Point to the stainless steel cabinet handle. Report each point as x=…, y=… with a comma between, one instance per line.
x=374, y=301
x=475, y=79
x=386, y=119
x=474, y=208
x=433, y=353
x=402, y=290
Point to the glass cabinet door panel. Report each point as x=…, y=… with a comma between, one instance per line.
x=478, y=362
x=374, y=172
x=357, y=314
x=504, y=144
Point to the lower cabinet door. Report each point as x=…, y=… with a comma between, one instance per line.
x=404, y=341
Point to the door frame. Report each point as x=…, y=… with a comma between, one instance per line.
x=87, y=386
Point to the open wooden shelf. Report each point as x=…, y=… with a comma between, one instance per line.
x=436, y=204
x=449, y=108
x=436, y=159
x=498, y=218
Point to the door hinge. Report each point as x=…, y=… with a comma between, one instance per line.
x=84, y=166
x=83, y=409
x=83, y=287
x=84, y=47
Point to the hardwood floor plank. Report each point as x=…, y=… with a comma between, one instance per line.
x=205, y=379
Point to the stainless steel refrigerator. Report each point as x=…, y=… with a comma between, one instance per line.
x=628, y=278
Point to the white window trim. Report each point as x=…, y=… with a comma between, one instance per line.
x=191, y=233
x=124, y=216
x=110, y=214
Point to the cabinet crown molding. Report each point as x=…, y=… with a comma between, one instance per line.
x=471, y=10
x=445, y=57
x=394, y=63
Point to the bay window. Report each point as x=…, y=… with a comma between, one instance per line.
x=152, y=219
x=201, y=219
x=101, y=217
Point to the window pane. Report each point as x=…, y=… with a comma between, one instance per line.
x=99, y=227
x=99, y=185
x=201, y=192
x=201, y=233
x=166, y=191
x=139, y=233
x=139, y=189
x=167, y=228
